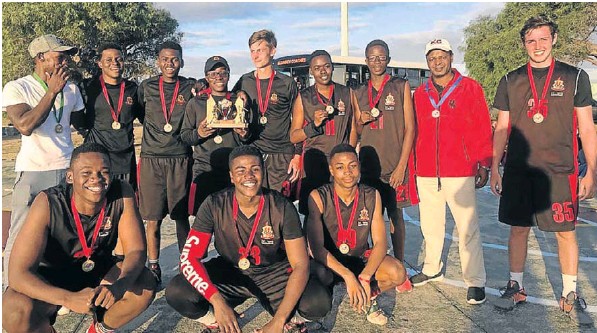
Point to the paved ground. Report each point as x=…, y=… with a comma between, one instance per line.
x=435, y=307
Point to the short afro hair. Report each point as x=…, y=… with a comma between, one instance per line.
x=245, y=151
x=377, y=42
x=88, y=147
x=343, y=148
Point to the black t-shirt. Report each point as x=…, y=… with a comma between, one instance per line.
x=273, y=137
x=548, y=145
x=156, y=141
x=98, y=118
x=207, y=154
x=63, y=241
x=279, y=221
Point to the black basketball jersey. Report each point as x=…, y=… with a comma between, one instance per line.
x=361, y=224
x=63, y=241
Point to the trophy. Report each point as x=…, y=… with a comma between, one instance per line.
x=225, y=114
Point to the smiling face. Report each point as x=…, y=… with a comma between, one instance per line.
x=170, y=62
x=246, y=173
x=89, y=174
x=539, y=44
x=111, y=63
x=321, y=69
x=218, y=79
x=345, y=169
x=439, y=63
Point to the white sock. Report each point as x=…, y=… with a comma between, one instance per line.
x=154, y=261
x=569, y=282
x=101, y=328
x=517, y=277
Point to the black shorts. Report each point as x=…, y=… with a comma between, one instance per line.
x=164, y=187
x=276, y=170
x=316, y=173
x=72, y=278
x=205, y=184
x=389, y=199
x=535, y=198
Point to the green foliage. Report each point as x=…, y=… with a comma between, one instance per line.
x=493, y=46
x=138, y=27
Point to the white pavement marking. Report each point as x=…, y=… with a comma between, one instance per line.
x=495, y=292
x=587, y=221
x=409, y=219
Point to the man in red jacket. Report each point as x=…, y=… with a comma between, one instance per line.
x=453, y=155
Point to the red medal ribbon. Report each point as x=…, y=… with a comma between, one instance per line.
x=347, y=235
x=87, y=250
x=167, y=114
x=115, y=113
x=373, y=103
x=253, y=251
x=540, y=105
x=330, y=126
x=264, y=103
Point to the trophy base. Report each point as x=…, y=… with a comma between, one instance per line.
x=227, y=124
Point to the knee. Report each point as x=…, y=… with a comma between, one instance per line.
x=316, y=301
x=566, y=236
x=519, y=232
x=19, y=315
x=324, y=275
x=185, y=300
x=397, y=273
x=144, y=289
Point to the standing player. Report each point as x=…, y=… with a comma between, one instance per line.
x=271, y=96
x=41, y=106
x=322, y=117
x=212, y=146
x=542, y=105
x=65, y=252
x=165, y=169
x=111, y=107
x=453, y=153
x=342, y=246
x=262, y=251
x=385, y=121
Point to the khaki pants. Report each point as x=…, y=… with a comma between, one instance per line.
x=459, y=194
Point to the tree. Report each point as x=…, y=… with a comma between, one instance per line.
x=493, y=46
x=138, y=27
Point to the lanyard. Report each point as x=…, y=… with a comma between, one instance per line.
x=330, y=99
x=163, y=99
x=540, y=105
x=343, y=234
x=445, y=96
x=264, y=103
x=330, y=126
x=57, y=115
x=115, y=114
x=87, y=249
x=373, y=103
x=245, y=251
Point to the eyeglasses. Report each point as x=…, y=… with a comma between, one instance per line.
x=374, y=58
x=221, y=75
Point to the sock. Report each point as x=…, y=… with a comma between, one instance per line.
x=569, y=282
x=154, y=261
x=517, y=277
x=102, y=328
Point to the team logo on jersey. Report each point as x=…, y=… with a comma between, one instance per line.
x=106, y=226
x=267, y=235
x=180, y=100
x=129, y=100
x=390, y=100
x=341, y=108
x=274, y=98
x=558, y=85
x=363, y=217
x=452, y=104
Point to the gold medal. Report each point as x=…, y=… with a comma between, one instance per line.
x=167, y=128
x=344, y=248
x=218, y=139
x=244, y=264
x=116, y=125
x=435, y=113
x=329, y=109
x=375, y=112
x=58, y=128
x=88, y=266
x=263, y=120
x=538, y=118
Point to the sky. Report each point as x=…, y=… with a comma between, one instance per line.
x=223, y=28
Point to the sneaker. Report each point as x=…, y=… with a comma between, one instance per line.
x=95, y=328
x=295, y=327
x=511, y=295
x=156, y=271
x=63, y=311
x=405, y=287
x=375, y=315
x=422, y=279
x=475, y=295
x=574, y=307
x=209, y=321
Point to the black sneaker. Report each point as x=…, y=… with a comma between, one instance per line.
x=512, y=294
x=422, y=279
x=574, y=307
x=475, y=295
x=156, y=271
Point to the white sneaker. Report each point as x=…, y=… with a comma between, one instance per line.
x=63, y=311
x=209, y=319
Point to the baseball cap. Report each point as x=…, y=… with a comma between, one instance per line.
x=211, y=63
x=47, y=43
x=438, y=44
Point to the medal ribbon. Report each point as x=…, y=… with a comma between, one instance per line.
x=163, y=99
x=57, y=116
x=373, y=103
x=115, y=114
x=264, y=103
x=445, y=96
x=87, y=250
x=330, y=126
x=347, y=235
x=540, y=105
x=248, y=250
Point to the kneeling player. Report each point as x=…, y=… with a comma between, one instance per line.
x=65, y=252
x=342, y=246
x=251, y=226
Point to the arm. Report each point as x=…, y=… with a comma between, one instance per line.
x=500, y=139
x=189, y=133
x=354, y=136
x=397, y=177
x=588, y=137
x=79, y=121
x=380, y=243
x=30, y=245
x=479, y=138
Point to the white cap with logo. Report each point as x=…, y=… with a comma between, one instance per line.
x=438, y=44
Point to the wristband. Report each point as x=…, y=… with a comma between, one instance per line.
x=364, y=280
x=486, y=168
x=311, y=130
